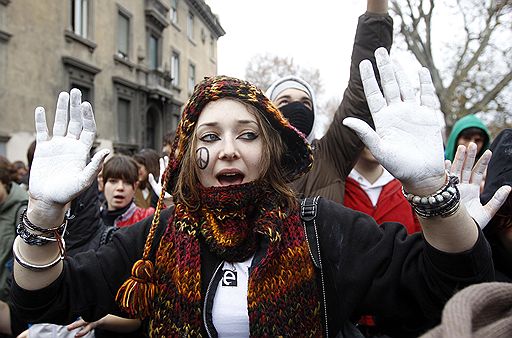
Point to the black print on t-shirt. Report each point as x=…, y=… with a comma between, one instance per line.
x=228, y=277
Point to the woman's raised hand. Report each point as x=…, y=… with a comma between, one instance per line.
x=407, y=138
x=59, y=171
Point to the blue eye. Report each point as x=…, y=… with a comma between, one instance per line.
x=249, y=136
x=209, y=138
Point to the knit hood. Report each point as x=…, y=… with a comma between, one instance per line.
x=468, y=121
x=291, y=81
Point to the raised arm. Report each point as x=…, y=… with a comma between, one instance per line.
x=377, y=6
x=59, y=173
x=407, y=142
x=339, y=149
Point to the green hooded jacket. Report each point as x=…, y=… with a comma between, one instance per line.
x=8, y=209
x=468, y=121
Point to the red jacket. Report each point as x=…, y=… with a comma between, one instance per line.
x=133, y=215
x=391, y=205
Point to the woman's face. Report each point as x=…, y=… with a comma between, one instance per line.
x=143, y=172
x=229, y=144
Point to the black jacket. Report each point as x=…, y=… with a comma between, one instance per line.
x=368, y=269
x=499, y=173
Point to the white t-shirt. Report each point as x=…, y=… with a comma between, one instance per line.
x=229, y=312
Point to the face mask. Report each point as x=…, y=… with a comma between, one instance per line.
x=299, y=116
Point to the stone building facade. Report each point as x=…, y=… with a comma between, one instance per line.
x=136, y=61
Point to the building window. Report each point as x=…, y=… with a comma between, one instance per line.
x=80, y=17
x=174, y=12
x=191, y=77
x=212, y=47
x=153, y=52
x=81, y=76
x=190, y=26
x=86, y=91
x=124, y=118
x=123, y=35
x=175, y=69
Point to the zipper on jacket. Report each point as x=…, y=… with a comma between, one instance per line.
x=206, y=298
x=324, y=298
x=323, y=282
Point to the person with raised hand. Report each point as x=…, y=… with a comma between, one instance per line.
x=470, y=176
x=337, y=151
x=157, y=185
x=232, y=256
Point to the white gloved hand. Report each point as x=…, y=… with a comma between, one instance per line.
x=157, y=186
x=470, y=179
x=59, y=171
x=407, y=139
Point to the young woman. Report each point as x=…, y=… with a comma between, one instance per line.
x=233, y=258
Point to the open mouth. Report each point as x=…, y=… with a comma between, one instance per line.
x=118, y=198
x=230, y=178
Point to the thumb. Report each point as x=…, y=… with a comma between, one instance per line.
x=93, y=168
x=369, y=137
x=500, y=196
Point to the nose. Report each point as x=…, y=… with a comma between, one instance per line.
x=229, y=150
x=120, y=185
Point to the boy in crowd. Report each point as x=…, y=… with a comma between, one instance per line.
x=120, y=179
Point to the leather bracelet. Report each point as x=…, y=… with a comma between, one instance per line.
x=46, y=235
x=36, y=267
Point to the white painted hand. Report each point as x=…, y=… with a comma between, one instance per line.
x=470, y=179
x=59, y=171
x=407, y=139
x=157, y=186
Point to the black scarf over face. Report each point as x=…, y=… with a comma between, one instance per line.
x=299, y=116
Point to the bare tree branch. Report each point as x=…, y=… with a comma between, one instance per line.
x=481, y=69
x=490, y=95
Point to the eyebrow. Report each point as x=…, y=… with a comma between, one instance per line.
x=215, y=123
x=305, y=97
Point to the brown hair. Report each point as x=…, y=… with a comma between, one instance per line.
x=270, y=172
x=149, y=158
x=7, y=173
x=120, y=167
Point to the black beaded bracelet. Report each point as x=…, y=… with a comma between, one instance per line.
x=444, y=202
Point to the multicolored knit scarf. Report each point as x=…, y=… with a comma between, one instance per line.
x=282, y=292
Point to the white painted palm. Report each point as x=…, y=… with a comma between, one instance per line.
x=407, y=139
x=59, y=170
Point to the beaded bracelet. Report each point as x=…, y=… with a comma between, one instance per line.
x=25, y=229
x=444, y=202
x=37, y=267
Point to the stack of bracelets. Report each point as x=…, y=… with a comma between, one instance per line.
x=35, y=235
x=444, y=202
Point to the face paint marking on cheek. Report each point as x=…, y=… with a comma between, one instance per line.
x=202, y=157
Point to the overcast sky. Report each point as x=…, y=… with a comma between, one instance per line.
x=316, y=34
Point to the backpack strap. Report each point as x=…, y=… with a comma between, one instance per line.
x=308, y=212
